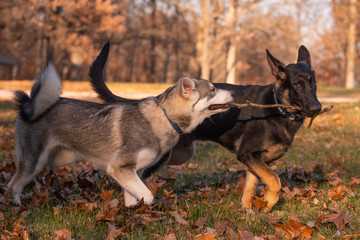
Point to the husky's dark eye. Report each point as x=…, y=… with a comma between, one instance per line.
x=212, y=90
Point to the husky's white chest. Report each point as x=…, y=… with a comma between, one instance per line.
x=145, y=157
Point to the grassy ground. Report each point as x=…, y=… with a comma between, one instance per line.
x=84, y=86
x=338, y=91
x=200, y=198
x=153, y=89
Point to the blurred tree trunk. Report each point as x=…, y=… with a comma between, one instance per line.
x=39, y=61
x=130, y=62
x=166, y=67
x=153, y=43
x=350, y=51
x=231, y=54
x=205, y=43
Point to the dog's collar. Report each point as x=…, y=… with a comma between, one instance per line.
x=174, y=125
x=285, y=113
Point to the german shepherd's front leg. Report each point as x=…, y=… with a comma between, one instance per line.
x=251, y=183
x=259, y=168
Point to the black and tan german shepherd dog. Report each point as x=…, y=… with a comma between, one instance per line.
x=257, y=136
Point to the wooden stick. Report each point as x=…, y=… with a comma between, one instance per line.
x=324, y=110
x=250, y=104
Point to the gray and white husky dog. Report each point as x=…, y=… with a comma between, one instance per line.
x=123, y=139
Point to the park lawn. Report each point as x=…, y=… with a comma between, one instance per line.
x=152, y=89
x=200, y=200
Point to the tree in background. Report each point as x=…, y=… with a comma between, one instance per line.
x=351, y=41
x=158, y=40
x=64, y=32
x=337, y=47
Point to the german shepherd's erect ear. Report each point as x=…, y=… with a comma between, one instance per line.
x=304, y=56
x=277, y=67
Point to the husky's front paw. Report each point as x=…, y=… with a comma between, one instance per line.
x=130, y=200
x=148, y=200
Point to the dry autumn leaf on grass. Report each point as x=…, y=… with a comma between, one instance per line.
x=63, y=234
x=293, y=228
x=178, y=218
x=339, y=219
x=259, y=203
x=113, y=232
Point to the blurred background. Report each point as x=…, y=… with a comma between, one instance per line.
x=155, y=41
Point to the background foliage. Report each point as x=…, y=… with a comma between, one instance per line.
x=157, y=40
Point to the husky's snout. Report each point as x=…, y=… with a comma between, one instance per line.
x=227, y=96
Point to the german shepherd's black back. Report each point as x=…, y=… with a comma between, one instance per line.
x=257, y=136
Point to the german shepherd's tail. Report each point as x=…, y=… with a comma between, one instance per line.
x=96, y=77
x=44, y=93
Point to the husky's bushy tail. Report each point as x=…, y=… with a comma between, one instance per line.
x=44, y=93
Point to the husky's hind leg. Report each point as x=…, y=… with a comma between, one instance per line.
x=25, y=174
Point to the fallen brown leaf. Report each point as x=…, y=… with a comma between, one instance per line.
x=113, y=232
x=295, y=194
x=154, y=186
x=352, y=236
x=20, y=230
x=271, y=219
x=222, y=227
x=201, y=221
x=178, y=218
x=63, y=234
x=335, y=181
x=232, y=235
x=221, y=191
x=40, y=198
x=354, y=181
x=106, y=195
x=17, y=211
x=258, y=203
x=170, y=236
x=240, y=185
x=62, y=171
x=293, y=228
x=245, y=235
x=338, y=192
x=206, y=236
x=339, y=219
x=169, y=194
x=106, y=216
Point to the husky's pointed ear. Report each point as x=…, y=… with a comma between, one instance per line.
x=187, y=86
x=304, y=56
x=277, y=67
